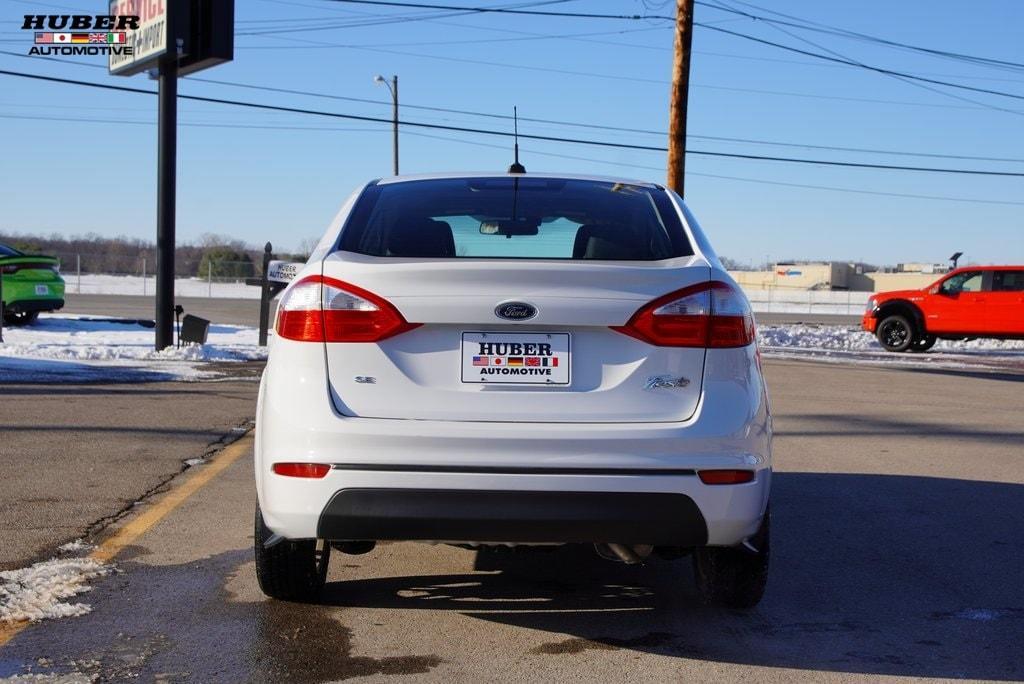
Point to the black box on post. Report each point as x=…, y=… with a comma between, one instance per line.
x=194, y=329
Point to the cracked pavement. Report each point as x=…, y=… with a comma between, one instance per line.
x=76, y=457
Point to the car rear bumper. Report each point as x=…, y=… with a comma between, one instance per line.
x=30, y=305
x=490, y=471
x=536, y=517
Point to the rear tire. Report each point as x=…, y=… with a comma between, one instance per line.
x=895, y=333
x=17, y=318
x=923, y=344
x=290, y=570
x=734, y=577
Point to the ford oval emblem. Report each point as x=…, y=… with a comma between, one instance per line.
x=515, y=311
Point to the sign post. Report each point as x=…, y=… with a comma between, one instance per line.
x=172, y=38
x=275, y=278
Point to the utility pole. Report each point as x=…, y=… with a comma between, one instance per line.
x=167, y=134
x=678, y=99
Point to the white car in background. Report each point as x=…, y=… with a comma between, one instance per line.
x=514, y=359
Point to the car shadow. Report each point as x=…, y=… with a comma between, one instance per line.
x=877, y=574
x=45, y=371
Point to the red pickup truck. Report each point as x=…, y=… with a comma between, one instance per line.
x=969, y=302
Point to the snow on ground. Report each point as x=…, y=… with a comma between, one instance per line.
x=38, y=592
x=846, y=344
x=72, y=348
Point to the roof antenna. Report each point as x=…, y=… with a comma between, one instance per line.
x=516, y=166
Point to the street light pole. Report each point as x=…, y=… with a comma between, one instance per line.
x=393, y=88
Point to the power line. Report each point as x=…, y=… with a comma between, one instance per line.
x=845, y=33
x=902, y=79
x=661, y=169
x=507, y=134
x=609, y=162
x=381, y=20
x=838, y=60
x=738, y=34
x=576, y=124
x=502, y=10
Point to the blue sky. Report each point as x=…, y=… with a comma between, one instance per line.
x=78, y=160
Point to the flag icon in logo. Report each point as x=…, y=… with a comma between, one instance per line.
x=79, y=37
x=61, y=37
x=532, y=360
x=97, y=37
x=481, y=360
x=498, y=361
x=117, y=38
x=515, y=360
x=553, y=361
x=44, y=38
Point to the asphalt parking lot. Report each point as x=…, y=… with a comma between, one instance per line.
x=897, y=552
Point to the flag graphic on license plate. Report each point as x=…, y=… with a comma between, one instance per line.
x=553, y=361
x=498, y=361
x=515, y=360
x=481, y=360
x=79, y=37
x=44, y=38
x=532, y=360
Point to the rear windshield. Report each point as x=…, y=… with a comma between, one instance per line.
x=515, y=218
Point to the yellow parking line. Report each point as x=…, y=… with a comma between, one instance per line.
x=156, y=512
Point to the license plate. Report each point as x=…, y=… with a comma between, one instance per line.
x=515, y=358
x=42, y=289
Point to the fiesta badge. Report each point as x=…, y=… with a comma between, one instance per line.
x=515, y=311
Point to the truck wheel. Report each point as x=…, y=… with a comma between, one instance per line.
x=16, y=318
x=290, y=570
x=734, y=577
x=895, y=333
x=923, y=344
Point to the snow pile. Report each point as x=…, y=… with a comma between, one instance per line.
x=38, y=592
x=77, y=546
x=69, y=348
x=843, y=338
x=834, y=343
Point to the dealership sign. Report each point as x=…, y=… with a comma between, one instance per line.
x=149, y=40
x=283, y=271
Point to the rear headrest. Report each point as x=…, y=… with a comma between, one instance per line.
x=425, y=238
x=596, y=241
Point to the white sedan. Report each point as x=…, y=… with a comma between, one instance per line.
x=514, y=359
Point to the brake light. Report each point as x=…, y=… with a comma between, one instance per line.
x=307, y=470
x=320, y=309
x=712, y=314
x=725, y=477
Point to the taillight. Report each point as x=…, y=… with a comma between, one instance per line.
x=319, y=309
x=725, y=477
x=307, y=470
x=711, y=314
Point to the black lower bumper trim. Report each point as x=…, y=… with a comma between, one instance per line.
x=663, y=519
x=30, y=305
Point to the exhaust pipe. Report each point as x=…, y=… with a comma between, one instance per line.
x=630, y=555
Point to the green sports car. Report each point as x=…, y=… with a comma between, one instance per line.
x=31, y=284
